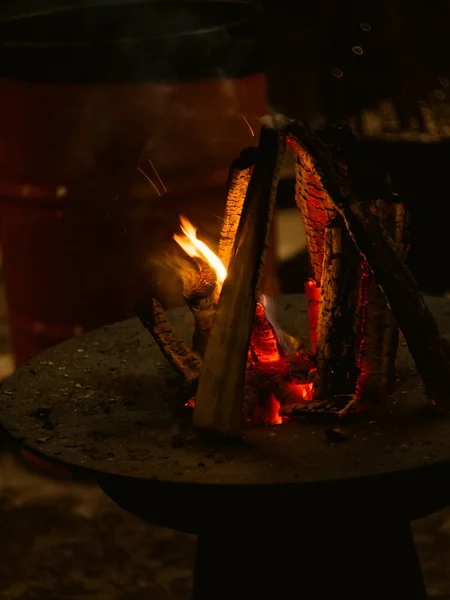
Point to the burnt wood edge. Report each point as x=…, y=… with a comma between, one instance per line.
x=183, y=360
x=429, y=349
x=220, y=393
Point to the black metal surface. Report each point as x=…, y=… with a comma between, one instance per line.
x=132, y=41
x=105, y=406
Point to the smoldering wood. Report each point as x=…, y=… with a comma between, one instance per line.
x=336, y=361
x=330, y=409
x=376, y=327
x=269, y=370
x=220, y=392
x=239, y=177
x=183, y=360
x=315, y=207
x=264, y=345
x=312, y=292
x=428, y=348
x=199, y=289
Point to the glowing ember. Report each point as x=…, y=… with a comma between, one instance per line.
x=277, y=369
x=288, y=344
x=303, y=390
x=198, y=249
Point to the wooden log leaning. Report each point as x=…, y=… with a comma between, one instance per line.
x=376, y=327
x=182, y=359
x=239, y=177
x=430, y=351
x=336, y=362
x=317, y=212
x=200, y=288
x=220, y=391
x=199, y=291
x=315, y=207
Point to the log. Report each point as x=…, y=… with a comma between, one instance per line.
x=182, y=359
x=264, y=345
x=317, y=212
x=239, y=177
x=376, y=327
x=336, y=361
x=272, y=376
x=220, y=391
x=315, y=207
x=429, y=350
x=199, y=289
x=312, y=292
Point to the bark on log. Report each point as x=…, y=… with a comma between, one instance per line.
x=315, y=207
x=239, y=177
x=429, y=350
x=376, y=327
x=264, y=345
x=336, y=361
x=199, y=291
x=181, y=358
x=220, y=392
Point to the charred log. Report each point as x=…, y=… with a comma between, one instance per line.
x=199, y=291
x=273, y=378
x=185, y=362
x=220, y=392
x=239, y=177
x=312, y=292
x=429, y=350
x=336, y=362
x=315, y=207
x=376, y=327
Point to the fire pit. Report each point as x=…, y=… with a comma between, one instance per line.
x=356, y=444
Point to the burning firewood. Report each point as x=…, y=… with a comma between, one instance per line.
x=376, y=326
x=317, y=212
x=273, y=377
x=240, y=174
x=199, y=290
x=200, y=286
x=315, y=207
x=312, y=292
x=336, y=362
x=429, y=350
x=183, y=360
x=220, y=392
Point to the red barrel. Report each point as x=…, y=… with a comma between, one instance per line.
x=81, y=225
x=88, y=95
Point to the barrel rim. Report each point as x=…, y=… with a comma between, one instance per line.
x=253, y=10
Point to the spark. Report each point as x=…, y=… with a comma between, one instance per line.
x=150, y=181
x=249, y=126
x=157, y=175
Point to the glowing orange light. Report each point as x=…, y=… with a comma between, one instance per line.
x=304, y=390
x=150, y=181
x=157, y=175
x=249, y=126
x=198, y=249
x=274, y=416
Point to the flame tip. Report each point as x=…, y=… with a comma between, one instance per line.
x=198, y=249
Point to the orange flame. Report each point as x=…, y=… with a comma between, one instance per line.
x=198, y=249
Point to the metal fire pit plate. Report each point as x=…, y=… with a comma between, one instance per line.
x=107, y=403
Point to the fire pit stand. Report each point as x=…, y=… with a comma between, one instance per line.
x=291, y=511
